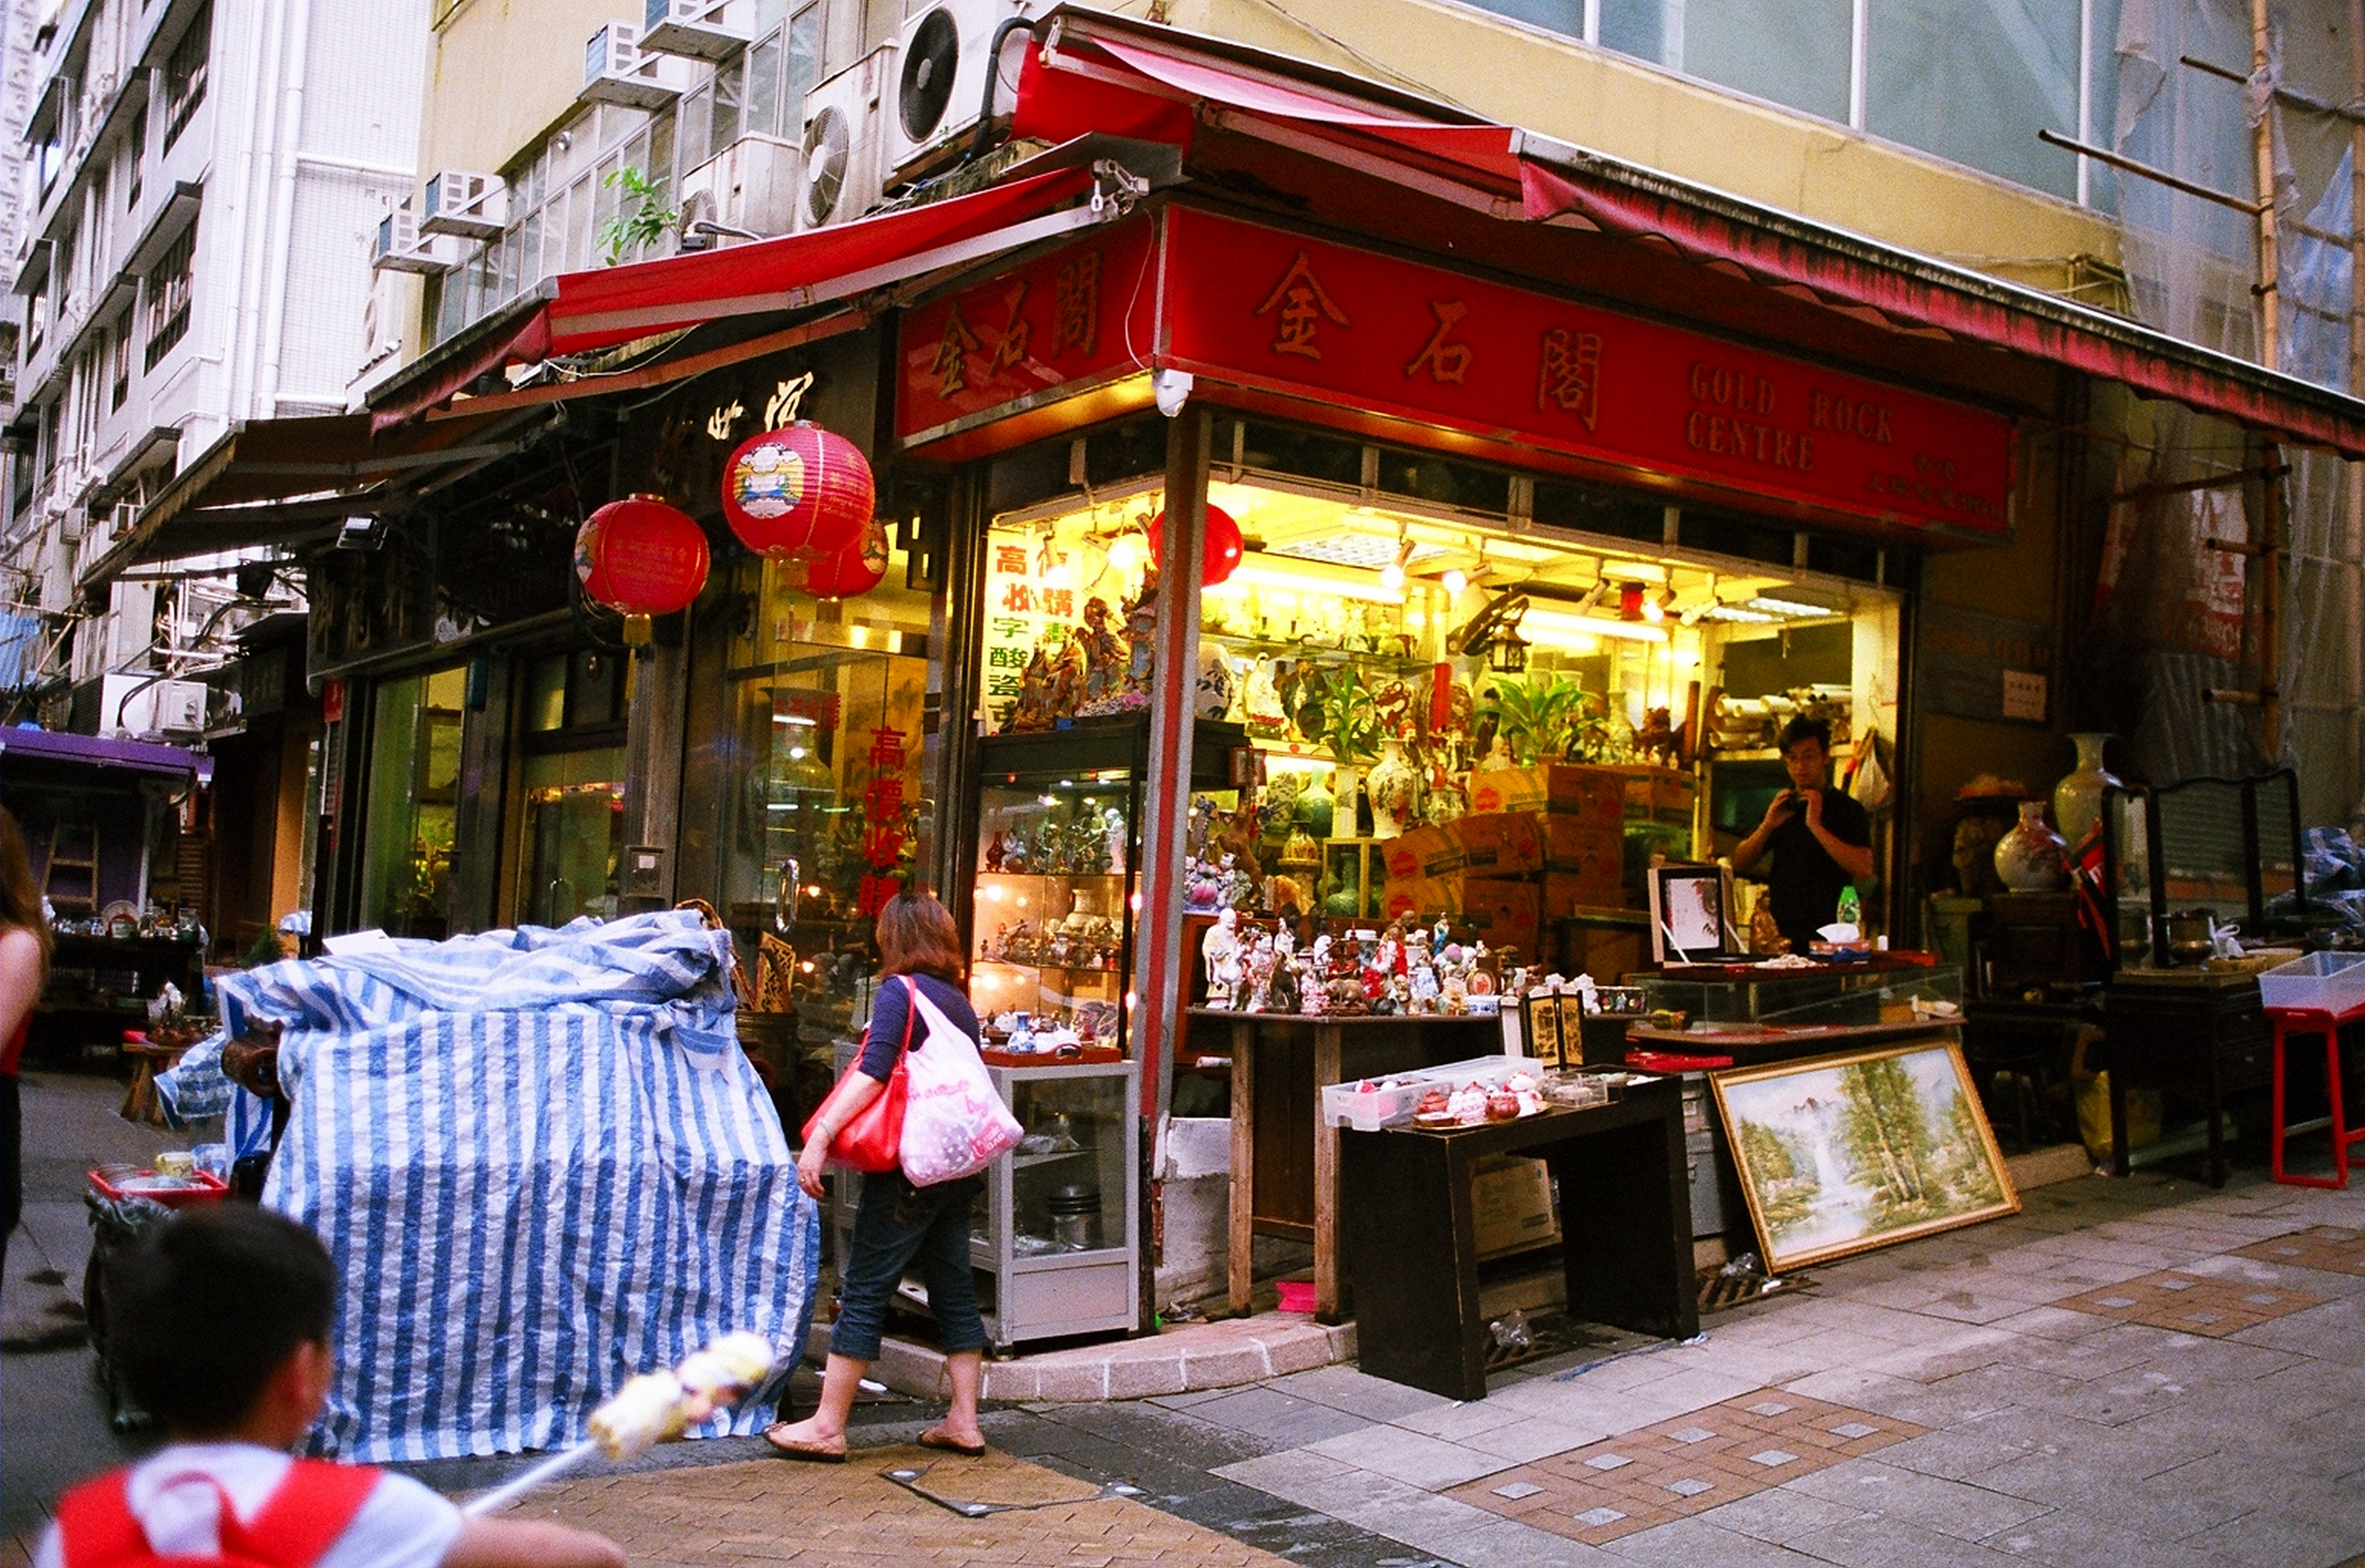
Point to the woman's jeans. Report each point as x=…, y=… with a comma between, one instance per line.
x=895, y=1225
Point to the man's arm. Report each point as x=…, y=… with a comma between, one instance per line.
x=531, y=1543
x=1750, y=850
x=1855, y=859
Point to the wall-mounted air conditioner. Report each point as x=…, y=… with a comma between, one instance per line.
x=615, y=71
x=844, y=137
x=473, y=207
x=698, y=29
x=399, y=247
x=753, y=185
x=129, y=705
x=940, y=82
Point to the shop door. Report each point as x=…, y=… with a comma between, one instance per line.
x=570, y=840
x=413, y=800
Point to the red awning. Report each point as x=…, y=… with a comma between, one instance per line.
x=607, y=306
x=1096, y=71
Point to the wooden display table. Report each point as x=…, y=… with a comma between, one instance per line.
x=1284, y=1161
x=1748, y=1044
x=2184, y=1031
x=1411, y=1237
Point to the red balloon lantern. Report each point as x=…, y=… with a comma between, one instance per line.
x=641, y=557
x=800, y=493
x=1221, y=553
x=857, y=569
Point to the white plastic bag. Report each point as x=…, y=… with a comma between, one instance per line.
x=954, y=1123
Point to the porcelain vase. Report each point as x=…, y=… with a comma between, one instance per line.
x=1347, y=785
x=2029, y=858
x=1392, y=786
x=1315, y=807
x=2078, y=798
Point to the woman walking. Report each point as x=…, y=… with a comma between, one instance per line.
x=896, y=1223
x=24, y=962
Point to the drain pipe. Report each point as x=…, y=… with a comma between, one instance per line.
x=287, y=142
x=982, y=136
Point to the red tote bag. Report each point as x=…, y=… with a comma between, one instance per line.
x=872, y=1142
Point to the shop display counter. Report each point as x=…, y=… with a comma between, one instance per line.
x=1284, y=1161
x=1755, y=1015
x=1406, y=1221
x=2193, y=1031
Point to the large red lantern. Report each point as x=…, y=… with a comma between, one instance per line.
x=801, y=493
x=1221, y=553
x=641, y=557
x=857, y=569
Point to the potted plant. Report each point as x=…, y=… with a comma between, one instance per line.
x=1537, y=717
x=1350, y=728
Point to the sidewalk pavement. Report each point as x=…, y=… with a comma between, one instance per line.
x=2143, y=1371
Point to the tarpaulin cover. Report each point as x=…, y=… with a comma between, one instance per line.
x=542, y=1163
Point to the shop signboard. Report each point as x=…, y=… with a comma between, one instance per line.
x=1285, y=312
x=1073, y=319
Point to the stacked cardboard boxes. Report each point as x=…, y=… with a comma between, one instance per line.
x=1543, y=843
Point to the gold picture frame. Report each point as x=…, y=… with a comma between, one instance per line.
x=1897, y=1130
x=1540, y=1015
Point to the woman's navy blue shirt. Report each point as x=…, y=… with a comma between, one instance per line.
x=889, y=1010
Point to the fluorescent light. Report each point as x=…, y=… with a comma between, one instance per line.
x=1591, y=626
x=1789, y=606
x=1254, y=574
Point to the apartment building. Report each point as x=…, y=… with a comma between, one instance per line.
x=198, y=186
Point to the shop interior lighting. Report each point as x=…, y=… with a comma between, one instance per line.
x=1790, y=608
x=1391, y=575
x=1251, y=572
x=1557, y=620
x=1591, y=601
x=1737, y=615
x=1455, y=580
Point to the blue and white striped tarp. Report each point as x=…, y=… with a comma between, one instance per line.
x=542, y=1164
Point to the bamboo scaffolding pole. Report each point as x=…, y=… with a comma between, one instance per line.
x=2355, y=552
x=2262, y=136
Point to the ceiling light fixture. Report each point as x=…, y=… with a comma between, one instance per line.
x=1455, y=580
x=1391, y=575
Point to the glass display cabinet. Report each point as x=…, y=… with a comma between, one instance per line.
x=2227, y=849
x=1852, y=996
x=1054, y=1242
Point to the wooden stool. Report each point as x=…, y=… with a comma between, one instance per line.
x=141, y=1102
x=2313, y=1020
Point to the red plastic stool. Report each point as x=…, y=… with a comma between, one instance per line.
x=2313, y=1020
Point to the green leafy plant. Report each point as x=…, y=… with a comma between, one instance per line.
x=642, y=216
x=1351, y=720
x=1537, y=717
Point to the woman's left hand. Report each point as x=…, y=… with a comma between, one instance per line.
x=809, y=1164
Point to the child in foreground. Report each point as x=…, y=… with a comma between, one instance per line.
x=220, y=1322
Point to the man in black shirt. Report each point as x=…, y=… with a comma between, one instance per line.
x=1820, y=839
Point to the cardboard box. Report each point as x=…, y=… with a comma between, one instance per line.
x=1422, y=852
x=1576, y=844
x=1657, y=794
x=1511, y=1204
x=1601, y=885
x=1420, y=898
x=1499, y=843
x=1598, y=793
x=1501, y=913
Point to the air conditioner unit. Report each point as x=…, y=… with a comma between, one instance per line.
x=473, y=207
x=400, y=247
x=940, y=84
x=698, y=29
x=845, y=140
x=167, y=707
x=752, y=185
x=615, y=71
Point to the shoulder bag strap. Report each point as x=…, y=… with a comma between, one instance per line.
x=96, y=1526
x=315, y=1503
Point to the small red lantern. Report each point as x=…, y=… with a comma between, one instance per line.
x=800, y=493
x=855, y=570
x=641, y=557
x=1221, y=553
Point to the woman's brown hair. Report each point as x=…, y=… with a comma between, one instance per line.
x=20, y=896
x=916, y=936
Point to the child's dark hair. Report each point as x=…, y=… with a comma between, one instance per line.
x=204, y=1307
x=1805, y=729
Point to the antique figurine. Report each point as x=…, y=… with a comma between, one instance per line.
x=995, y=851
x=1033, y=710
x=1260, y=968
x=1221, y=942
x=1103, y=654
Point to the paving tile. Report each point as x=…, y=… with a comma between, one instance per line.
x=1699, y=1542
x=1780, y=1515
x=2187, y=1303
x=1429, y=1463
x=2073, y=1539
x=1359, y=1393
x=1523, y=1440
x=1877, y=1541
x=1950, y=1507
x=1277, y=1418
x=2266, y=1538
x=2330, y=1248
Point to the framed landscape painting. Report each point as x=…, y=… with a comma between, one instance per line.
x=1841, y=1154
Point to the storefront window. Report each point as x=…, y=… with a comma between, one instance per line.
x=1409, y=655
x=820, y=787
x=414, y=779
x=570, y=842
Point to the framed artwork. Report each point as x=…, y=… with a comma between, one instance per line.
x=1841, y=1154
x=1687, y=923
x=1540, y=1015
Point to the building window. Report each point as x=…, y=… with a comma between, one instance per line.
x=135, y=153
x=168, y=297
x=118, y=364
x=185, y=74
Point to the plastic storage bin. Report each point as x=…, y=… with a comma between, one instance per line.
x=1349, y=1106
x=2323, y=982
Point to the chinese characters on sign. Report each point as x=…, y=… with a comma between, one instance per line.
x=884, y=828
x=1283, y=312
x=1024, y=610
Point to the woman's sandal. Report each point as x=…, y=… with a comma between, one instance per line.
x=937, y=1438
x=791, y=1448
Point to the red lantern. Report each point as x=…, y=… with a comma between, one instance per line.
x=1223, y=547
x=799, y=494
x=857, y=569
x=640, y=557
